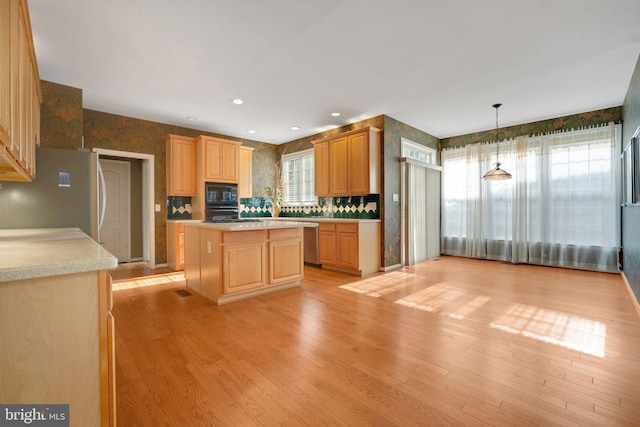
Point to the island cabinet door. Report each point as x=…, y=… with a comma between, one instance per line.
x=243, y=267
x=286, y=256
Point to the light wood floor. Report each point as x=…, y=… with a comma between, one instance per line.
x=452, y=341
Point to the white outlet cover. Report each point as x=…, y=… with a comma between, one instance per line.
x=396, y=197
x=158, y=207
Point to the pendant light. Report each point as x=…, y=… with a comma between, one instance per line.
x=496, y=174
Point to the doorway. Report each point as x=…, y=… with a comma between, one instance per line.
x=115, y=230
x=420, y=208
x=148, y=206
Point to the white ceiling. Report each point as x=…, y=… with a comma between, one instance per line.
x=435, y=65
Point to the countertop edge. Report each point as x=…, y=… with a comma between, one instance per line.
x=323, y=219
x=37, y=253
x=49, y=270
x=291, y=219
x=247, y=226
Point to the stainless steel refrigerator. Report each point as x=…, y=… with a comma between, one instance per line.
x=62, y=195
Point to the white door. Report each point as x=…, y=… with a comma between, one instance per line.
x=115, y=231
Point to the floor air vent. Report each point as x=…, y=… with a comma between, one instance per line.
x=183, y=292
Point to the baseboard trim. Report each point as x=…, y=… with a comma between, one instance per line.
x=636, y=305
x=390, y=267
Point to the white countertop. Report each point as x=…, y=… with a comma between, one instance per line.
x=244, y=226
x=321, y=219
x=40, y=252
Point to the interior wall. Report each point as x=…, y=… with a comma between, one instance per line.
x=64, y=122
x=631, y=214
x=60, y=116
x=394, y=131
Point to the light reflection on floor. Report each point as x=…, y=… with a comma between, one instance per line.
x=566, y=330
x=432, y=298
x=563, y=329
x=142, y=282
x=378, y=286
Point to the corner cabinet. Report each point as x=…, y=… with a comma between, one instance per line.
x=352, y=247
x=181, y=166
x=245, y=181
x=20, y=94
x=348, y=164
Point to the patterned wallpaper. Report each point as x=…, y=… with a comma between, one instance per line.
x=61, y=116
x=574, y=121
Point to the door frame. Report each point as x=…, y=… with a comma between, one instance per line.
x=148, y=206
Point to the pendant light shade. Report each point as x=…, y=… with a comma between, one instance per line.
x=497, y=174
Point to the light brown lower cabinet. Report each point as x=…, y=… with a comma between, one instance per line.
x=57, y=341
x=229, y=265
x=175, y=245
x=286, y=255
x=244, y=265
x=352, y=247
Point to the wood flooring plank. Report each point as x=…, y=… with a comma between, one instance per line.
x=450, y=342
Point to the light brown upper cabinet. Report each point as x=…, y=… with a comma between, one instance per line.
x=245, y=181
x=348, y=164
x=181, y=166
x=220, y=159
x=20, y=94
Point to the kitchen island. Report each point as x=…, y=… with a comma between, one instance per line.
x=231, y=261
x=56, y=327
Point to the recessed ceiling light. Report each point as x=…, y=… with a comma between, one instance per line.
x=191, y=118
x=238, y=101
x=295, y=127
x=252, y=131
x=335, y=114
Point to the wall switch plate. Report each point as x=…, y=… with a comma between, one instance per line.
x=396, y=197
x=157, y=207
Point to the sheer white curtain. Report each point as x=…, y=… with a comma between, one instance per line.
x=560, y=208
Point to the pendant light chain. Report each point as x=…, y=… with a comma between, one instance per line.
x=496, y=106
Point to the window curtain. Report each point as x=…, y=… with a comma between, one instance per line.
x=560, y=208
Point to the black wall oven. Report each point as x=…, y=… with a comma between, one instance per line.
x=221, y=201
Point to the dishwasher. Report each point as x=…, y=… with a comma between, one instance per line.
x=311, y=247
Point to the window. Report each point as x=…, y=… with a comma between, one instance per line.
x=415, y=151
x=298, y=177
x=561, y=207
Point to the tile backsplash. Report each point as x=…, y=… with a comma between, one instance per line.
x=178, y=207
x=355, y=207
